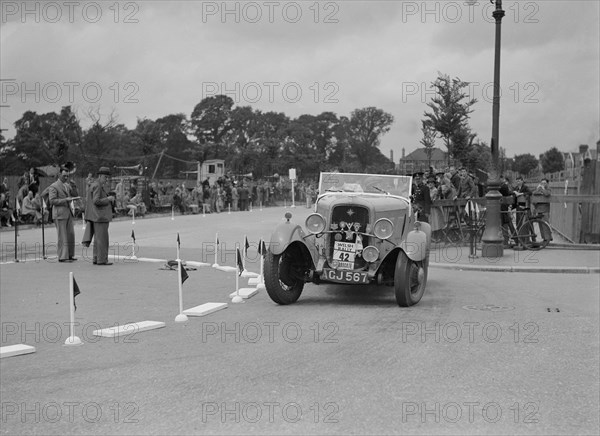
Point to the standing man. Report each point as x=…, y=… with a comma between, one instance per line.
x=59, y=196
x=421, y=197
x=466, y=186
x=98, y=214
x=523, y=194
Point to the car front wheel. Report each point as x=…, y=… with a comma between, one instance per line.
x=410, y=279
x=282, y=278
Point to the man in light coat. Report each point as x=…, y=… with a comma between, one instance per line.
x=59, y=196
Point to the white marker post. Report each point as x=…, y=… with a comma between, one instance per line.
x=216, y=264
x=72, y=339
x=172, y=213
x=133, y=219
x=181, y=317
x=236, y=298
x=133, y=256
x=82, y=219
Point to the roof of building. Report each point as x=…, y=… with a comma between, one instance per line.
x=419, y=154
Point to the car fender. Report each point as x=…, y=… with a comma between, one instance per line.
x=284, y=235
x=417, y=242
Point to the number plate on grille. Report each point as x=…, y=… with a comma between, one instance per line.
x=343, y=276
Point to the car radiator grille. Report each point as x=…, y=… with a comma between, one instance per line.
x=346, y=221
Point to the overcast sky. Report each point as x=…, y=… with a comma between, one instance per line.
x=149, y=59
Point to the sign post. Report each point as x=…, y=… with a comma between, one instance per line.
x=292, y=175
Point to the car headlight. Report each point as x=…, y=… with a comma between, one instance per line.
x=370, y=253
x=315, y=223
x=383, y=228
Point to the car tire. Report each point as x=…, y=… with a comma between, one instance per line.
x=410, y=279
x=276, y=268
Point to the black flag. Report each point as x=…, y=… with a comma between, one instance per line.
x=178, y=241
x=262, y=248
x=133, y=235
x=240, y=264
x=76, y=292
x=184, y=274
x=246, y=246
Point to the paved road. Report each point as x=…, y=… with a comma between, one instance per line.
x=482, y=353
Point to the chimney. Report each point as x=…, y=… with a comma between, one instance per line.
x=403, y=152
x=582, y=149
x=392, y=155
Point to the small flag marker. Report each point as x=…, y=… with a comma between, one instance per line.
x=73, y=292
x=182, y=276
x=216, y=264
x=133, y=256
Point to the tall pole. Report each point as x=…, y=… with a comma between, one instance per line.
x=492, y=237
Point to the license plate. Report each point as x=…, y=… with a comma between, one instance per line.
x=343, y=276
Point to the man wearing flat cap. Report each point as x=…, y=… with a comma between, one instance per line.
x=59, y=197
x=98, y=214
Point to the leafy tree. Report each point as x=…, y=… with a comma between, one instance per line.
x=477, y=159
x=449, y=111
x=525, y=163
x=552, y=161
x=428, y=140
x=365, y=129
x=45, y=139
x=211, y=121
x=173, y=131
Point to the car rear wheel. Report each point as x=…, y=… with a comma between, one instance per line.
x=410, y=279
x=282, y=278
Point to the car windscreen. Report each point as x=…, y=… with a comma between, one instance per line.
x=368, y=183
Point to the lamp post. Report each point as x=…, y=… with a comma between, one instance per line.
x=492, y=237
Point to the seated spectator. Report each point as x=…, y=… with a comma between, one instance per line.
x=178, y=201
x=136, y=204
x=28, y=209
x=42, y=213
x=6, y=213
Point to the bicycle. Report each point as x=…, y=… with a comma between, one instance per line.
x=533, y=233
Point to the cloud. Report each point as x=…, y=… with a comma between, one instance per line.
x=151, y=59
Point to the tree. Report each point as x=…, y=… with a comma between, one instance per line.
x=173, y=131
x=552, y=161
x=449, y=110
x=428, y=140
x=211, y=120
x=525, y=163
x=366, y=127
x=45, y=139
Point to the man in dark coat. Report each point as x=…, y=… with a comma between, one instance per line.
x=422, y=197
x=523, y=194
x=98, y=214
x=60, y=198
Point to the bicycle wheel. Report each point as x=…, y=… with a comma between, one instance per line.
x=535, y=234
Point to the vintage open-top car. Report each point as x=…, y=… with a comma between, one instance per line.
x=364, y=231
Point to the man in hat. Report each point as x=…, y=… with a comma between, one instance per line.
x=421, y=197
x=98, y=214
x=59, y=197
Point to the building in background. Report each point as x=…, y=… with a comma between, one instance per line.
x=419, y=161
